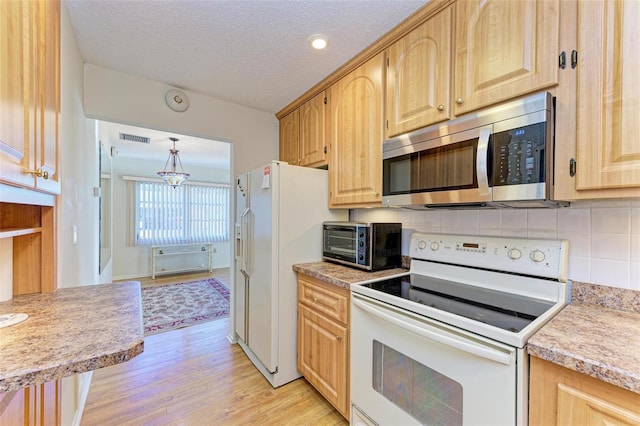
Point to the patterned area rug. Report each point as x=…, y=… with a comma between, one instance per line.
x=172, y=306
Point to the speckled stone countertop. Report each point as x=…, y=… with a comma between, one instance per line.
x=343, y=276
x=70, y=331
x=597, y=334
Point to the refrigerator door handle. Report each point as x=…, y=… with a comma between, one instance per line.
x=245, y=225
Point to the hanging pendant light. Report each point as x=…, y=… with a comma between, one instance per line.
x=170, y=174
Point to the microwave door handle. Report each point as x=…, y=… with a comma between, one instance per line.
x=482, y=160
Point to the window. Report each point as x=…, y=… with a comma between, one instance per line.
x=191, y=213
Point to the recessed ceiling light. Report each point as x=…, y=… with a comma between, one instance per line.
x=318, y=41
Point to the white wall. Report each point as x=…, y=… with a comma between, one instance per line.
x=77, y=264
x=604, y=236
x=122, y=98
x=134, y=262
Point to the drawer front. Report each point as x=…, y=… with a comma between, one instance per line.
x=319, y=296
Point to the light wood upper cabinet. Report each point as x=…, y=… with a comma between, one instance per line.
x=598, y=102
x=313, y=146
x=15, y=153
x=503, y=49
x=356, y=125
x=47, y=92
x=608, y=95
x=290, y=137
x=30, y=60
x=302, y=134
x=419, y=76
x=559, y=396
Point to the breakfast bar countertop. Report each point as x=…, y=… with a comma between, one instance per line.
x=70, y=331
x=343, y=276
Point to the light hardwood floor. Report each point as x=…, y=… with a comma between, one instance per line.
x=194, y=376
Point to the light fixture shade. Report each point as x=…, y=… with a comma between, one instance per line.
x=170, y=174
x=318, y=41
x=174, y=178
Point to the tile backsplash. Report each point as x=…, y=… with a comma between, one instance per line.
x=604, y=236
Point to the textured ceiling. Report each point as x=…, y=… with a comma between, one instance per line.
x=252, y=53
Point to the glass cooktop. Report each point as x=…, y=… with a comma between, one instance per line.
x=507, y=311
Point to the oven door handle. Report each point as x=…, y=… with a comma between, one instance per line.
x=484, y=352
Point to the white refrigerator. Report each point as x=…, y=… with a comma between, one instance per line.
x=280, y=213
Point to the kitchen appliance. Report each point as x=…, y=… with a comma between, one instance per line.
x=498, y=157
x=447, y=342
x=371, y=246
x=281, y=210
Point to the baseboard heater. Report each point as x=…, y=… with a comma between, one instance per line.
x=174, y=258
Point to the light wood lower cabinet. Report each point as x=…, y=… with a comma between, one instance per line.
x=323, y=339
x=35, y=405
x=559, y=396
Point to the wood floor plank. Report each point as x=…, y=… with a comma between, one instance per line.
x=194, y=376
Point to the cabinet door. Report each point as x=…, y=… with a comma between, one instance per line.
x=418, y=76
x=504, y=49
x=608, y=93
x=312, y=131
x=289, y=138
x=46, y=52
x=579, y=408
x=15, y=153
x=322, y=356
x=355, y=170
x=12, y=408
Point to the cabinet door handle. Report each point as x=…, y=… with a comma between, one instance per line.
x=315, y=299
x=338, y=337
x=459, y=101
x=441, y=107
x=39, y=173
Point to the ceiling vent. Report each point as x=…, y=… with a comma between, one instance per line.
x=134, y=138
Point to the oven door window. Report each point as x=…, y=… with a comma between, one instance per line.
x=425, y=394
x=341, y=243
x=443, y=168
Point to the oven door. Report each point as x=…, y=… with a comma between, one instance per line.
x=452, y=169
x=340, y=243
x=410, y=370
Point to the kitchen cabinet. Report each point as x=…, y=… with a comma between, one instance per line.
x=418, y=76
x=290, y=137
x=503, y=49
x=562, y=396
x=35, y=405
x=598, y=157
x=323, y=339
x=302, y=134
x=356, y=126
x=31, y=230
x=30, y=60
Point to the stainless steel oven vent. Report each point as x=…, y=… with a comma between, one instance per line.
x=134, y=138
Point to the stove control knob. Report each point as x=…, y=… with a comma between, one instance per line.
x=537, y=256
x=514, y=254
x=421, y=245
x=434, y=246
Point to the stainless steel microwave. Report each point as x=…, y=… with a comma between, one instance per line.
x=369, y=246
x=498, y=157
